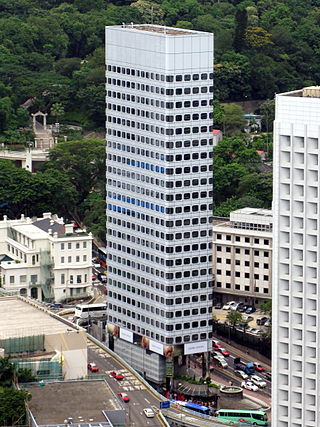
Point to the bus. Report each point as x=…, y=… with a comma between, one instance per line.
x=84, y=311
x=195, y=407
x=250, y=417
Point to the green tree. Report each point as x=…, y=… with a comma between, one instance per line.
x=267, y=110
x=241, y=20
x=234, y=318
x=93, y=211
x=218, y=114
x=150, y=11
x=57, y=110
x=12, y=406
x=83, y=162
x=234, y=120
x=266, y=307
x=257, y=185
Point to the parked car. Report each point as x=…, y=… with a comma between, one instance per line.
x=258, y=367
x=93, y=367
x=228, y=305
x=249, y=386
x=258, y=381
x=148, y=412
x=235, y=306
x=261, y=320
x=55, y=306
x=241, y=374
x=95, y=263
x=250, y=309
x=242, y=308
x=223, y=351
x=117, y=375
x=218, y=305
x=257, y=331
x=102, y=277
x=220, y=361
x=124, y=397
x=247, y=319
x=216, y=353
x=268, y=323
x=268, y=376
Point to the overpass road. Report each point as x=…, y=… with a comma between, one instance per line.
x=140, y=396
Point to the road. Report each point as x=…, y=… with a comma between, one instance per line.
x=140, y=397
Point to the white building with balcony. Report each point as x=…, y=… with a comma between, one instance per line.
x=159, y=193
x=296, y=253
x=44, y=258
x=242, y=255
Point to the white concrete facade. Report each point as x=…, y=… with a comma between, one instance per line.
x=296, y=295
x=44, y=258
x=242, y=255
x=159, y=183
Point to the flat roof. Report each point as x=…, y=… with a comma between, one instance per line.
x=159, y=29
x=83, y=401
x=30, y=231
x=20, y=318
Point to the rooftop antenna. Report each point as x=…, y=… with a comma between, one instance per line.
x=152, y=15
x=123, y=25
x=131, y=24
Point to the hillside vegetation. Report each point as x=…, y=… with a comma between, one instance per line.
x=53, y=51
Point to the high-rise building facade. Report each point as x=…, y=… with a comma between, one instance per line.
x=159, y=192
x=296, y=251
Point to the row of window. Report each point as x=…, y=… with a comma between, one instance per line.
x=159, y=234
x=166, y=340
x=157, y=298
x=255, y=276
x=246, y=288
x=168, y=157
x=167, y=276
x=70, y=245
x=167, y=105
x=79, y=278
x=156, y=285
x=150, y=101
x=159, y=169
x=242, y=251
x=158, y=260
x=33, y=279
x=156, y=129
x=187, y=90
x=159, y=143
x=157, y=195
x=245, y=263
x=240, y=238
x=160, y=77
x=69, y=259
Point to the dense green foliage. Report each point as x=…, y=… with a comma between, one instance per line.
x=71, y=184
x=52, y=51
x=239, y=179
x=12, y=401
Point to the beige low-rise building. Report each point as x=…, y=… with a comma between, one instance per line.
x=44, y=258
x=242, y=255
x=28, y=331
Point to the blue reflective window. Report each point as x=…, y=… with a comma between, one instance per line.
x=152, y=167
x=114, y=208
x=157, y=208
x=128, y=199
x=138, y=202
x=142, y=203
x=133, y=162
x=152, y=206
x=147, y=166
x=138, y=163
x=119, y=209
x=162, y=209
x=162, y=170
x=147, y=205
x=133, y=201
x=157, y=169
x=109, y=207
x=142, y=165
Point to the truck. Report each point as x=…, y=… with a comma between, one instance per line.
x=248, y=368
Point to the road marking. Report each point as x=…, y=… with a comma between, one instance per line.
x=147, y=400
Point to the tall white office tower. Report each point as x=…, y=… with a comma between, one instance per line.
x=296, y=254
x=159, y=193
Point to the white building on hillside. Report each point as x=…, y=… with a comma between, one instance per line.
x=44, y=258
x=242, y=255
x=159, y=193
x=296, y=254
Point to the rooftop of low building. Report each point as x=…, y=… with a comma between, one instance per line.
x=80, y=402
x=21, y=317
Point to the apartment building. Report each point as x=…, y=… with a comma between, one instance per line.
x=242, y=255
x=159, y=193
x=296, y=294
x=44, y=258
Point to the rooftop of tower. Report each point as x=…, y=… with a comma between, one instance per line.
x=306, y=92
x=160, y=29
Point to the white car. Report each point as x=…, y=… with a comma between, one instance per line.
x=216, y=342
x=96, y=264
x=148, y=412
x=258, y=381
x=228, y=305
x=241, y=374
x=249, y=386
x=220, y=361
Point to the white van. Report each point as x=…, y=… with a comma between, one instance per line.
x=220, y=361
